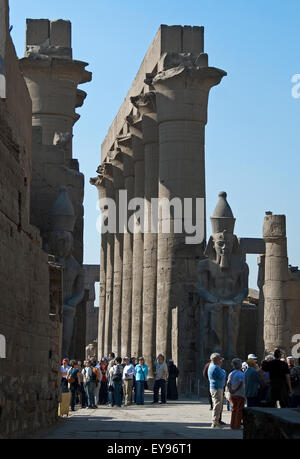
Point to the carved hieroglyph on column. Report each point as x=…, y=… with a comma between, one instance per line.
x=276, y=285
x=61, y=245
x=223, y=284
x=182, y=87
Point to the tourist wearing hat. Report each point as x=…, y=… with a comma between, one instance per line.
x=172, y=393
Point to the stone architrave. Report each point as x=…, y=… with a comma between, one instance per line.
x=115, y=158
x=182, y=86
x=61, y=245
x=223, y=284
x=99, y=182
x=125, y=144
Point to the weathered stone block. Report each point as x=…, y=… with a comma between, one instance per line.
x=37, y=31
x=60, y=33
x=271, y=423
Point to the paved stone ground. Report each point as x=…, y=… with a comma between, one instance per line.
x=183, y=419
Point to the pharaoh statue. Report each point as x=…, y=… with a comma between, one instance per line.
x=223, y=284
x=61, y=245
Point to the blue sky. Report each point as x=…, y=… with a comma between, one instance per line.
x=252, y=135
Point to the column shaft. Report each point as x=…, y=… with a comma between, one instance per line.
x=150, y=133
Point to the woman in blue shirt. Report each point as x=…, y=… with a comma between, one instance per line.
x=141, y=374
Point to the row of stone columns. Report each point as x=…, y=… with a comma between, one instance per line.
x=160, y=155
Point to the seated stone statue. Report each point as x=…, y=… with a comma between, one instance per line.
x=223, y=284
x=61, y=246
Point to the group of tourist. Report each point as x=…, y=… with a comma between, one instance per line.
x=115, y=381
x=275, y=380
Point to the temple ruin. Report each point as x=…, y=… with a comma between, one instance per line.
x=151, y=297
x=164, y=286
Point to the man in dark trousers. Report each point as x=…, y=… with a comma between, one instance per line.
x=280, y=380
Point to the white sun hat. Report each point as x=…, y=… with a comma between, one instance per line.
x=252, y=356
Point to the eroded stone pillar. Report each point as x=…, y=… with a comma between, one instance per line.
x=276, y=285
x=125, y=144
x=52, y=77
x=135, y=127
x=105, y=170
x=115, y=158
x=99, y=182
x=147, y=107
x=182, y=87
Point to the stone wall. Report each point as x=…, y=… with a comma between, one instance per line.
x=30, y=285
x=271, y=423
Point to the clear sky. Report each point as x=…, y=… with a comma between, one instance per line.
x=252, y=135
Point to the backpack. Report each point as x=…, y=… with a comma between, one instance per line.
x=117, y=376
x=70, y=377
x=94, y=376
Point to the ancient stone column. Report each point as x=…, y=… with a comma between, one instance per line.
x=52, y=77
x=182, y=87
x=276, y=285
x=125, y=144
x=105, y=170
x=147, y=108
x=135, y=128
x=99, y=182
x=115, y=158
x=260, y=319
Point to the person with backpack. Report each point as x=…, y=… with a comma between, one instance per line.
x=72, y=378
x=116, y=374
x=89, y=384
x=141, y=375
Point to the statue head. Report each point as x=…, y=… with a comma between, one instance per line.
x=61, y=243
x=223, y=243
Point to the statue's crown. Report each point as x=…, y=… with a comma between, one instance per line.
x=62, y=214
x=222, y=219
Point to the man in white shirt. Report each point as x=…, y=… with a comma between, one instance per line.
x=128, y=373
